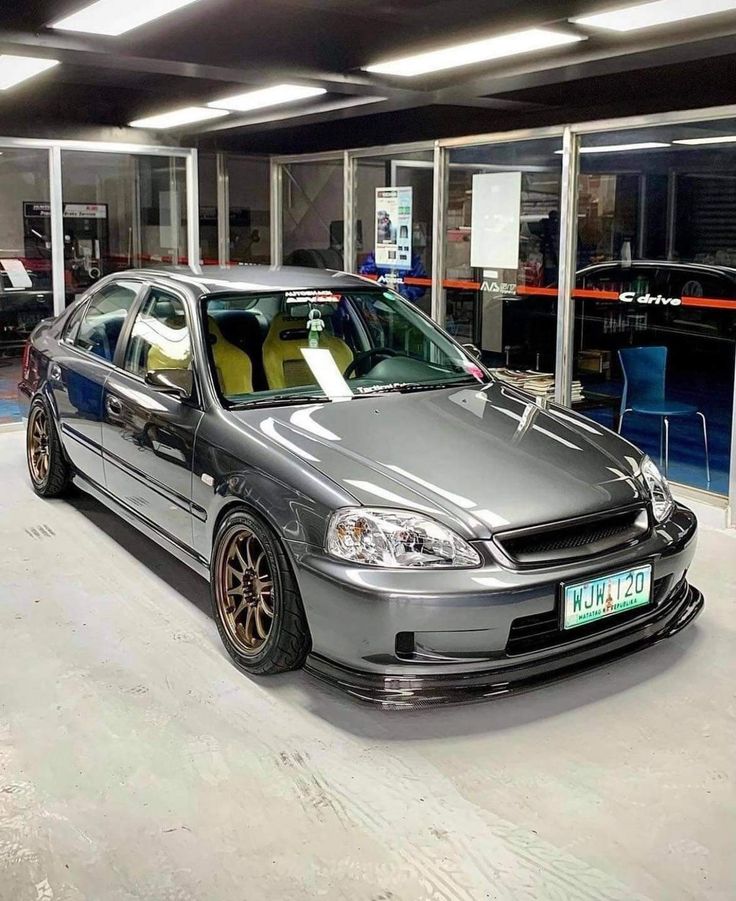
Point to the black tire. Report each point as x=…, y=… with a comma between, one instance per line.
x=53, y=476
x=288, y=640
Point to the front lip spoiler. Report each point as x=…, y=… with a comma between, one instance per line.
x=394, y=692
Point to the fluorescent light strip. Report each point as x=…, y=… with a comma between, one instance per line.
x=475, y=52
x=114, y=17
x=647, y=15
x=694, y=142
x=184, y=116
x=252, y=100
x=14, y=69
x=619, y=148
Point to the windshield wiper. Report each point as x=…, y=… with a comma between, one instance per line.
x=282, y=400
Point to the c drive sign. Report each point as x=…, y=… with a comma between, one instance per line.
x=657, y=299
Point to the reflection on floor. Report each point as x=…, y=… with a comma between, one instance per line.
x=138, y=763
x=9, y=377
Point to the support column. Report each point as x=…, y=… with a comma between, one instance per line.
x=223, y=210
x=349, y=251
x=439, y=218
x=567, y=269
x=57, y=230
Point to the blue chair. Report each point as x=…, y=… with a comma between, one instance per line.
x=644, y=371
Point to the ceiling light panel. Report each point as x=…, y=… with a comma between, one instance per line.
x=620, y=148
x=178, y=117
x=476, y=52
x=648, y=15
x=114, y=17
x=14, y=69
x=696, y=142
x=252, y=100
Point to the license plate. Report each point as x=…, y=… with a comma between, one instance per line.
x=587, y=602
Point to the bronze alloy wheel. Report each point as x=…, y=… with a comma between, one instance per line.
x=39, y=454
x=244, y=591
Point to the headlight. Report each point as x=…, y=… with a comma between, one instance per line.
x=396, y=538
x=659, y=489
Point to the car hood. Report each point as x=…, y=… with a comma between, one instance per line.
x=481, y=461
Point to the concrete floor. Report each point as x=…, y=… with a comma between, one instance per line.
x=136, y=762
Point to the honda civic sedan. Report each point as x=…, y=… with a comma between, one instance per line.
x=363, y=497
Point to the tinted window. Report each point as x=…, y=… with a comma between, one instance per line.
x=103, y=322
x=700, y=283
x=72, y=323
x=160, y=336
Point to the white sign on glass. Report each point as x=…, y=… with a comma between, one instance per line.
x=393, y=227
x=496, y=220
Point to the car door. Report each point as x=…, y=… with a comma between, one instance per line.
x=78, y=372
x=148, y=434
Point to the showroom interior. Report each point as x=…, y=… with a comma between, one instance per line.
x=135, y=760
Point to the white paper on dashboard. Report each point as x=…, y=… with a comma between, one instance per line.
x=496, y=220
x=19, y=277
x=325, y=370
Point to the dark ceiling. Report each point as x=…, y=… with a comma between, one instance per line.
x=216, y=47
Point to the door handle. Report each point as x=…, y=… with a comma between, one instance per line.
x=114, y=406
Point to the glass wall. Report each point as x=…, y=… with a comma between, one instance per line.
x=121, y=211
x=117, y=211
x=250, y=203
x=26, y=295
x=655, y=330
x=502, y=249
x=393, y=223
x=312, y=214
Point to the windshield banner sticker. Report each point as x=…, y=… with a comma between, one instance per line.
x=306, y=296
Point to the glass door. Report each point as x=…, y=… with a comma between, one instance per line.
x=312, y=214
x=393, y=223
x=502, y=249
x=26, y=289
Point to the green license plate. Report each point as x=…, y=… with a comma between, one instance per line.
x=587, y=602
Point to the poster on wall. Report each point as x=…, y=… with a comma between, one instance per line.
x=496, y=220
x=71, y=210
x=393, y=227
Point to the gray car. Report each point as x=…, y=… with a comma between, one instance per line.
x=365, y=499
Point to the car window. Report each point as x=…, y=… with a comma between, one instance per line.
x=639, y=279
x=699, y=283
x=160, y=336
x=72, y=323
x=103, y=321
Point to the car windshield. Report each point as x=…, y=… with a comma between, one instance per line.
x=328, y=345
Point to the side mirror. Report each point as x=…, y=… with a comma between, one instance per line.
x=472, y=350
x=177, y=382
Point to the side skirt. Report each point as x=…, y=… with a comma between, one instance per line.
x=192, y=560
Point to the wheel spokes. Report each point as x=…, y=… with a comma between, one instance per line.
x=245, y=591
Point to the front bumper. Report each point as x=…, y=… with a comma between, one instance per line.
x=402, y=637
x=417, y=690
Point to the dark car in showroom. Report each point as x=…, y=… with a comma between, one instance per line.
x=364, y=497
x=687, y=306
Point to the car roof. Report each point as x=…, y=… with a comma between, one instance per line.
x=729, y=271
x=216, y=279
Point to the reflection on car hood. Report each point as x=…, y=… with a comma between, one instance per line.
x=481, y=461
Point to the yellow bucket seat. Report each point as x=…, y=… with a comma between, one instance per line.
x=284, y=365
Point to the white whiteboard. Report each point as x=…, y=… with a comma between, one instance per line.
x=496, y=220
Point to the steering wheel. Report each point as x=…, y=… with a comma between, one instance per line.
x=368, y=355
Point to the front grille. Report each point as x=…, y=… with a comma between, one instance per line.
x=587, y=537
x=542, y=630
